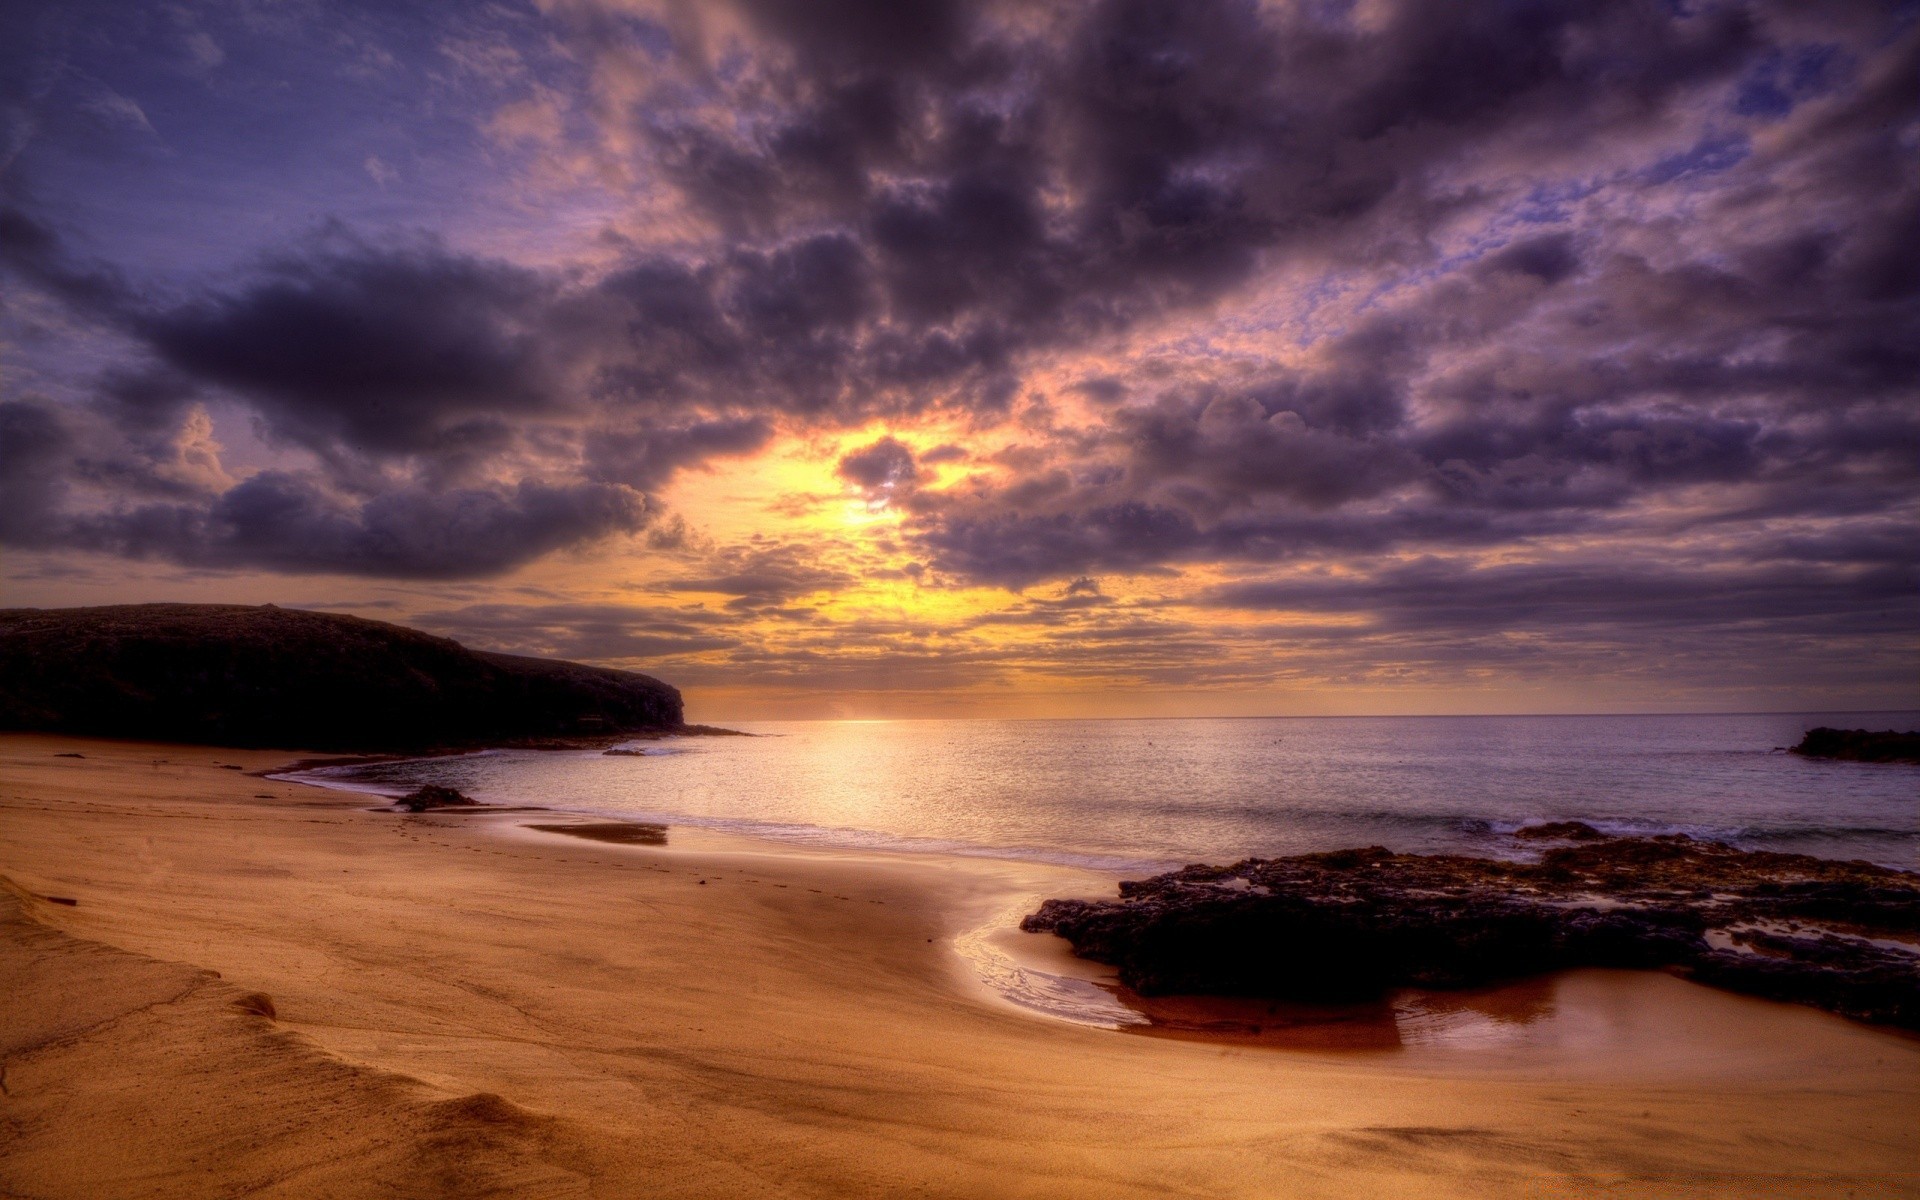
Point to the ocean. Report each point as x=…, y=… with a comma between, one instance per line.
x=1138, y=795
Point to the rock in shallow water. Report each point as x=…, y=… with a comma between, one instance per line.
x=1560, y=831
x=1353, y=924
x=429, y=796
x=1860, y=745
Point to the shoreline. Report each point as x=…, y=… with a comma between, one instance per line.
x=510, y=1008
x=797, y=837
x=1451, y=822
x=1038, y=974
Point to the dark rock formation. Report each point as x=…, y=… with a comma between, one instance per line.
x=1350, y=925
x=238, y=676
x=1559, y=831
x=429, y=796
x=1861, y=745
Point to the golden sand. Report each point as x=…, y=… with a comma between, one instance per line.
x=263, y=988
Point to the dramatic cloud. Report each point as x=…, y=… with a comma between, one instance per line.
x=382, y=352
x=761, y=575
x=1430, y=594
x=33, y=450
x=1133, y=330
x=602, y=632
x=880, y=468
x=288, y=523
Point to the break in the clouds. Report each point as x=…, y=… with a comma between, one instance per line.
x=946, y=345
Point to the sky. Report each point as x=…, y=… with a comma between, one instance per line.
x=897, y=358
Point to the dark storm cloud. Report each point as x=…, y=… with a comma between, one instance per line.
x=289, y=523
x=983, y=543
x=1515, y=274
x=362, y=355
x=34, y=450
x=1559, y=385
x=1073, y=602
x=945, y=453
x=762, y=575
x=595, y=632
x=778, y=324
x=1243, y=445
x=32, y=251
x=1018, y=550
x=144, y=400
x=918, y=199
x=1437, y=595
x=393, y=350
x=382, y=351
x=1182, y=139
x=648, y=455
x=880, y=467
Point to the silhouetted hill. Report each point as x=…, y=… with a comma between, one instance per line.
x=240, y=676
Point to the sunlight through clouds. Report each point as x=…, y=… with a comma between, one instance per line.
x=973, y=358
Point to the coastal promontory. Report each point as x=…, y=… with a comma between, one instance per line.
x=236, y=675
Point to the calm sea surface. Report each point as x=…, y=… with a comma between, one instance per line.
x=1128, y=795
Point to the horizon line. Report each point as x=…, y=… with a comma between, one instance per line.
x=1781, y=712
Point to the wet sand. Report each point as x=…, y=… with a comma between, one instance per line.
x=618, y=833
x=466, y=1006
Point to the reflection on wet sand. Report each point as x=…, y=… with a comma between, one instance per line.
x=620, y=833
x=1590, y=1023
x=1416, y=1017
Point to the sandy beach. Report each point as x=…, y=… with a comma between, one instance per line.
x=460, y=1005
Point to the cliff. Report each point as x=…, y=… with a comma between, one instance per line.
x=240, y=676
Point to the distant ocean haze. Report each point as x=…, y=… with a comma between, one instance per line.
x=1134, y=795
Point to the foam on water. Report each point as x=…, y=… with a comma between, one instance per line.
x=1018, y=980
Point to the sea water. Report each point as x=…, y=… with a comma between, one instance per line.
x=1133, y=797
x=1139, y=795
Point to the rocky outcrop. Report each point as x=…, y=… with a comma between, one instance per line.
x=1860, y=745
x=430, y=797
x=1560, y=831
x=239, y=676
x=1353, y=924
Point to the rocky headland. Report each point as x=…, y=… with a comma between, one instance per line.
x=233, y=675
x=1354, y=924
x=1860, y=745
